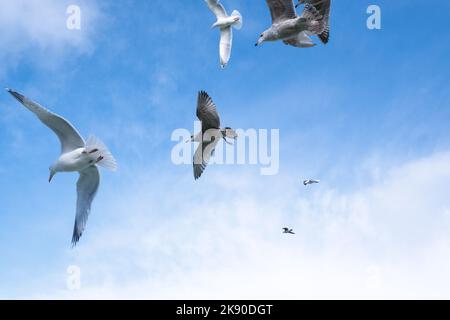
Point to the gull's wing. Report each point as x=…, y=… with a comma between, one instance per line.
x=207, y=112
x=323, y=7
x=302, y=40
x=217, y=8
x=202, y=156
x=226, y=41
x=87, y=187
x=281, y=10
x=68, y=136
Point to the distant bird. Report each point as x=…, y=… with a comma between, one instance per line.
x=76, y=155
x=324, y=7
x=310, y=181
x=287, y=230
x=294, y=30
x=211, y=133
x=224, y=23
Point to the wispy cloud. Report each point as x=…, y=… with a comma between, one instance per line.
x=35, y=31
x=386, y=240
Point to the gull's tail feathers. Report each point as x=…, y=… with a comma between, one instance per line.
x=325, y=35
x=238, y=24
x=108, y=161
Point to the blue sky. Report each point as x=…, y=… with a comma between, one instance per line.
x=368, y=114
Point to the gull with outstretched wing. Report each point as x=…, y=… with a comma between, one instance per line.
x=225, y=23
x=291, y=28
x=76, y=156
x=210, y=134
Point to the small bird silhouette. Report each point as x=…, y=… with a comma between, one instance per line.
x=287, y=230
x=310, y=181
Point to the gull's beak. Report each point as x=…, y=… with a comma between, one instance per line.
x=52, y=174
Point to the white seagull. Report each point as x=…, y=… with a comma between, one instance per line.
x=310, y=181
x=294, y=30
x=225, y=22
x=76, y=155
x=210, y=134
x=287, y=230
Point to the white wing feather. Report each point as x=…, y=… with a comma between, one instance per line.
x=217, y=8
x=87, y=187
x=226, y=42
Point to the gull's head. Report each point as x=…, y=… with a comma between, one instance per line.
x=230, y=133
x=52, y=173
x=262, y=37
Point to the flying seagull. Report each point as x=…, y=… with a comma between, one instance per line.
x=76, y=155
x=294, y=30
x=210, y=134
x=310, y=181
x=323, y=6
x=287, y=230
x=224, y=23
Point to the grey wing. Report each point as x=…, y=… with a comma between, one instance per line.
x=323, y=7
x=281, y=10
x=68, y=136
x=202, y=156
x=217, y=8
x=207, y=112
x=301, y=40
x=87, y=187
x=226, y=42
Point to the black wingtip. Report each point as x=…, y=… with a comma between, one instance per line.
x=75, y=238
x=16, y=95
x=203, y=93
x=74, y=241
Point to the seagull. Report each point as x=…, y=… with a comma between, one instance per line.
x=76, y=155
x=210, y=134
x=323, y=6
x=224, y=23
x=287, y=230
x=294, y=30
x=310, y=181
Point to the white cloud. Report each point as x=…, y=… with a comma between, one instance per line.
x=35, y=31
x=387, y=240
